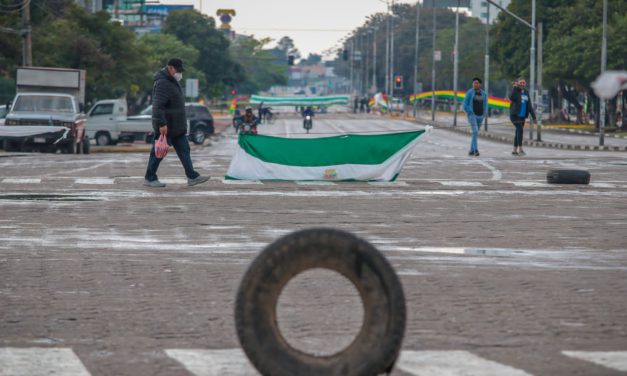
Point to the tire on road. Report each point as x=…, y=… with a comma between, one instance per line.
x=568, y=177
x=198, y=135
x=103, y=138
x=376, y=347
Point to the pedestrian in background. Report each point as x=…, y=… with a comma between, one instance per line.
x=476, y=107
x=519, y=110
x=168, y=118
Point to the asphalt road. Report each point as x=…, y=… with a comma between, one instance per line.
x=503, y=273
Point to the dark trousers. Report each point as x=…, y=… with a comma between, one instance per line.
x=519, y=123
x=181, y=145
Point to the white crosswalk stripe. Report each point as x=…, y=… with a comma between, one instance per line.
x=21, y=181
x=230, y=362
x=611, y=359
x=37, y=361
x=95, y=181
x=452, y=363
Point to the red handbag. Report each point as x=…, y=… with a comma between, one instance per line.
x=161, y=147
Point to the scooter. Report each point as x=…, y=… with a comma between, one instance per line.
x=307, y=123
x=248, y=128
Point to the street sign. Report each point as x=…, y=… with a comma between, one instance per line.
x=446, y=3
x=437, y=55
x=191, y=88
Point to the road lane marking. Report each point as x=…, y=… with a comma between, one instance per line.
x=95, y=181
x=230, y=362
x=452, y=363
x=528, y=184
x=496, y=173
x=38, y=361
x=611, y=359
x=461, y=183
x=21, y=181
x=388, y=183
x=173, y=180
x=241, y=182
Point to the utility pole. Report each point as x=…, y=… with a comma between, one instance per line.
x=387, y=51
x=416, y=57
x=27, y=41
x=351, y=58
x=374, y=59
x=433, y=72
x=540, y=104
x=532, y=65
x=486, y=74
x=456, y=65
x=603, y=68
x=392, y=53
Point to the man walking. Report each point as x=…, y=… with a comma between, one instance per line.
x=168, y=118
x=476, y=107
x=519, y=110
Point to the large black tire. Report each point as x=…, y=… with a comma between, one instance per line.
x=376, y=347
x=103, y=138
x=197, y=135
x=568, y=177
x=85, y=145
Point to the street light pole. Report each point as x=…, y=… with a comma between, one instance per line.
x=416, y=57
x=27, y=42
x=387, y=51
x=456, y=65
x=487, y=63
x=433, y=73
x=540, y=105
x=532, y=67
x=392, y=53
x=374, y=59
x=603, y=68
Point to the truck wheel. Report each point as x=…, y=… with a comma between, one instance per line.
x=85, y=145
x=568, y=177
x=198, y=134
x=376, y=347
x=103, y=139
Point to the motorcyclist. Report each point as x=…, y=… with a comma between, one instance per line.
x=250, y=119
x=308, y=113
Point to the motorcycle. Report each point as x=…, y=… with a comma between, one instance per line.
x=248, y=128
x=307, y=123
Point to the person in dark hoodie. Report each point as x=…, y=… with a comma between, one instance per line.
x=168, y=118
x=519, y=110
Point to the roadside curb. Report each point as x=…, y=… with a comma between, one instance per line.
x=510, y=140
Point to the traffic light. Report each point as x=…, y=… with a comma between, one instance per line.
x=233, y=92
x=398, y=82
x=290, y=60
x=345, y=55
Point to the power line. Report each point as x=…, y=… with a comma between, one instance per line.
x=305, y=30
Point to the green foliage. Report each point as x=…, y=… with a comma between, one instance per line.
x=198, y=31
x=261, y=66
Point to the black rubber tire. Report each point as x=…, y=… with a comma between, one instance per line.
x=568, y=177
x=85, y=145
x=102, y=139
x=198, y=135
x=376, y=347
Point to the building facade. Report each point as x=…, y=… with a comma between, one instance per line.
x=479, y=9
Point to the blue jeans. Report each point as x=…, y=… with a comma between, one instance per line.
x=181, y=145
x=475, y=124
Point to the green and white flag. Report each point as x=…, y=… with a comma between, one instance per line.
x=340, y=158
x=300, y=101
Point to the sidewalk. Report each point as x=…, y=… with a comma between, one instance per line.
x=501, y=129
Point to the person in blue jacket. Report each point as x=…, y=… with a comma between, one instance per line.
x=519, y=109
x=476, y=107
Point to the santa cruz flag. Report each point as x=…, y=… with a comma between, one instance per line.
x=339, y=158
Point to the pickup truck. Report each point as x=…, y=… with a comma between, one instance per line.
x=108, y=124
x=46, y=114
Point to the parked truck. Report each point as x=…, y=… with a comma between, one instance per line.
x=108, y=124
x=47, y=112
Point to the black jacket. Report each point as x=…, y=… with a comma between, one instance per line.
x=514, y=107
x=168, y=104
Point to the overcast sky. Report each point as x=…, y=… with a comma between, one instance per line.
x=315, y=25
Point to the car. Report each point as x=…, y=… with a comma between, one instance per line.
x=198, y=115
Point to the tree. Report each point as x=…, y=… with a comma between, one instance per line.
x=214, y=60
x=262, y=68
x=312, y=59
x=286, y=47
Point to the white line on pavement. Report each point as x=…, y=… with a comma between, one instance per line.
x=461, y=183
x=452, y=363
x=231, y=362
x=21, y=181
x=315, y=183
x=38, y=361
x=611, y=359
x=241, y=182
x=95, y=181
x=496, y=174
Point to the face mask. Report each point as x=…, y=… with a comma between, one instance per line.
x=178, y=76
